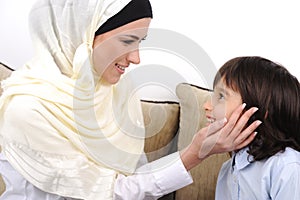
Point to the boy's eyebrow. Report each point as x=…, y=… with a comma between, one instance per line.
x=221, y=89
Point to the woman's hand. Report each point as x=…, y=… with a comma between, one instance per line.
x=220, y=136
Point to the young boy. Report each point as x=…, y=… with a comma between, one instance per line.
x=269, y=167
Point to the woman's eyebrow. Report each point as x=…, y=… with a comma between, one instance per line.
x=133, y=37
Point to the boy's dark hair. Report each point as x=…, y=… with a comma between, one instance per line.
x=270, y=87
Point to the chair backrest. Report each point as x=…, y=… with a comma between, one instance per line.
x=5, y=72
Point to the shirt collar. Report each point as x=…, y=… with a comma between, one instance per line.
x=242, y=159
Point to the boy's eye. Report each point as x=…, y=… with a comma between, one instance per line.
x=221, y=96
x=218, y=96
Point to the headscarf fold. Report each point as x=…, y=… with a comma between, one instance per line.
x=134, y=10
x=66, y=131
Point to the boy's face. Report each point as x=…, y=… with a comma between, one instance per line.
x=222, y=104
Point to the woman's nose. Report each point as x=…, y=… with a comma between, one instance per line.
x=134, y=57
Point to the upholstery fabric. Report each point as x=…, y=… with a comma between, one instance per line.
x=192, y=115
x=161, y=119
x=5, y=72
x=192, y=119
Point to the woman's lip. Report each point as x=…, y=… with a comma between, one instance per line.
x=120, y=68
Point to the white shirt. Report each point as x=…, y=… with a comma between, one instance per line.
x=276, y=178
x=151, y=181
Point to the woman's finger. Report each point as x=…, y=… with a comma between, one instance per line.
x=216, y=126
x=233, y=120
x=246, y=141
x=243, y=137
x=239, y=126
x=221, y=136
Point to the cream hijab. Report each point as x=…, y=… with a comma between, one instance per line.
x=64, y=130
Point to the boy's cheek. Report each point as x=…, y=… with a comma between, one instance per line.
x=219, y=112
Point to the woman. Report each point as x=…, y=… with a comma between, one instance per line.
x=75, y=136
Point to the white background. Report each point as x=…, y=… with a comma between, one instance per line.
x=223, y=28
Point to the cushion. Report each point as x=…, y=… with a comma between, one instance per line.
x=161, y=120
x=192, y=119
x=192, y=114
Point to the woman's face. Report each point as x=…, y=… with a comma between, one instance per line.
x=224, y=101
x=115, y=50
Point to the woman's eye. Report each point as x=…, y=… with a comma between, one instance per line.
x=142, y=40
x=128, y=41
